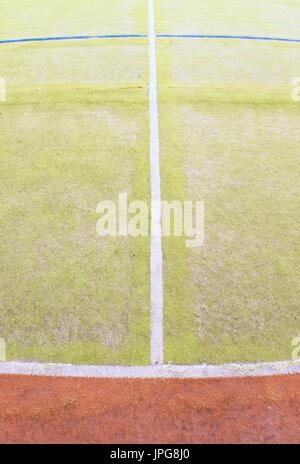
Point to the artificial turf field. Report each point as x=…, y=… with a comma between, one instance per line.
x=75, y=131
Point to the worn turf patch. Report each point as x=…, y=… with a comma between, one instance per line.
x=234, y=17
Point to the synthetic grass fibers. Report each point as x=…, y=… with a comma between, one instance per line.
x=71, y=137
x=74, y=118
x=229, y=137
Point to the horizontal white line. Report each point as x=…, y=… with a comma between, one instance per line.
x=151, y=372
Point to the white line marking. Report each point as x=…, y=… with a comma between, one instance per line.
x=150, y=372
x=156, y=267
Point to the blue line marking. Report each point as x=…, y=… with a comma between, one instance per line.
x=160, y=36
x=240, y=37
x=75, y=37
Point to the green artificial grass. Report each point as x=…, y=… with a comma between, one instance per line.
x=230, y=136
x=73, y=135
x=44, y=18
x=74, y=131
x=229, y=17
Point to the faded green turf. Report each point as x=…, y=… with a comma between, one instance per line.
x=229, y=17
x=74, y=131
x=230, y=136
x=43, y=18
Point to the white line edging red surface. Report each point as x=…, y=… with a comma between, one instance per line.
x=152, y=372
x=156, y=265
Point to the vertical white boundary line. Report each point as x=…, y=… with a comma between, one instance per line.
x=156, y=267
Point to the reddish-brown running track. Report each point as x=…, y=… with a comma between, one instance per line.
x=65, y=410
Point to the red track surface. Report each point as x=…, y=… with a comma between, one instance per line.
x=61, y=410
